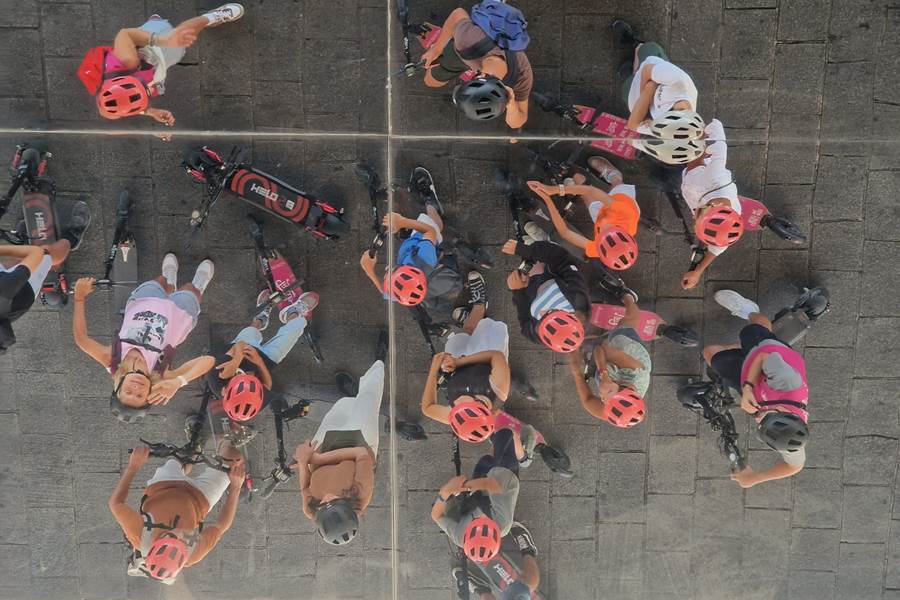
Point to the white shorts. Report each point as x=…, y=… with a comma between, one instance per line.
x=488, y=335
x=423, y=218
x=212, y=483
x=358, y=413
x=623, y=188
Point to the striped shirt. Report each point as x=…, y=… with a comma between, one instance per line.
x=549, y=297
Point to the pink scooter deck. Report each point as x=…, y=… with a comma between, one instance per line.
x=612, y=126
x=506, y=420
x=284, y=277
x=752, y=213
x=608, y=316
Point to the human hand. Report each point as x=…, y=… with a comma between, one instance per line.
x=367, y=262
x=448, y=365
x=392, y=222
x=305, y=451
x=84, y=287
x=237, y=472
x=180, y=37
x=431, y=54
x=544, y=191
x=691, y=279
x=453, y=486
x=163, y=116
x=162, y=391
x=139, y=456
x=517, y=280
x=437, y=360
x=510, y=247
x=748, y=401
x=227, y=370
x=745, y=478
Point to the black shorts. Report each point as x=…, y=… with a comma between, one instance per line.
x=448, y=65
x=728, y=363
x=14, y=289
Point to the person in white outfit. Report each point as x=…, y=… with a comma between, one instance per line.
x=707, y=184
x=337, y=467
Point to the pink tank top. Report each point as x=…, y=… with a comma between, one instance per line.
x=154, y=323
x=768, y=397
x=145, y=72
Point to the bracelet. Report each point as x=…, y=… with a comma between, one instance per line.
x=562, y=189
x=182, y=380
x=748, y=383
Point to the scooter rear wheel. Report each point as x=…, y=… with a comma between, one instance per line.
x=556, y=460
x=784, y=229
x=680, y=335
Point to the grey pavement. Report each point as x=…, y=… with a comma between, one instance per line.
x=809, y=94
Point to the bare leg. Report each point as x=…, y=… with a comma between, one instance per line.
x=476, y=315
x=189, y=287
x=760, y=319
x=198, y=24
x=710, y=351
x=432, y=212
x=58, y=250
x=165, y=284
x=632, y=316
x=432, y=82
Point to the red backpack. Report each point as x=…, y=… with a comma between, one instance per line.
x=90, y=72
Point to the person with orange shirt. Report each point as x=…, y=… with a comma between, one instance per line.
x=615, y=214
x=167, y=532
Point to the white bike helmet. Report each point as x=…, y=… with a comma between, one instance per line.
x=678, y=125
x=671, y=152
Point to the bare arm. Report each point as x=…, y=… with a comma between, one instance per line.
x=100, y=353
x=229, y=510
x=516, y=112
x=779, y=471
x=430, y=407
x=126, y=44
x=448, y=28
x=531, y=573
x=591, y=403
x=336, y=456
x=367, y=264
x=192, y=369
x=485, y=484
x=120, y=494
x=30, y=256
x=571, y=236
x=642, y=106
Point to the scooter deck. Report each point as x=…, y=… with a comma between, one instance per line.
x=271, y=194
x=284, y=276
x=41, y=226
x=124, y=271
x=609, y=125
x=608, y=316
x=752, y=213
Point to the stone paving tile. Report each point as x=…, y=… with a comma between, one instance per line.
x=793, y=82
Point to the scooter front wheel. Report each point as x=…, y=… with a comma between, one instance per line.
x=680, y=335
x=556, y=460
x=784, y=229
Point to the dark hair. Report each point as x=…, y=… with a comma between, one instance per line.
x=351, y=494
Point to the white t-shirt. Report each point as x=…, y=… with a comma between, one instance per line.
x=711, y=180
x=674, y=86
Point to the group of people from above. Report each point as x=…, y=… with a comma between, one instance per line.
x=485, y=49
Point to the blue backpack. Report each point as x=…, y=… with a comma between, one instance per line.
x=505, y=25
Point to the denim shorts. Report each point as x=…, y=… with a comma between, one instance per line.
x=183, y=299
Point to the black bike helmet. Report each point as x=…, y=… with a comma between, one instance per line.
x=337, y=522
x=481, y=99
x=124, y=413
x=783, y=432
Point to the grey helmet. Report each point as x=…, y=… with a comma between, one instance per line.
x=481, y=99
x=784, y=432
x=337, y=522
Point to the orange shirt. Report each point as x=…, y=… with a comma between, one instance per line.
x=622, y=212
x=166, y=500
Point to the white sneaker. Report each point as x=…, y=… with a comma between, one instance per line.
x=604, y=169
x=224, y=14
x=736, y=304
x=528, y=435
x=203, y=275
x=170, y=269
x=303, y=306
x=536, y=233
x=263, y=315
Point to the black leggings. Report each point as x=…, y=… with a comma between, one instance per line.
x=504, y=455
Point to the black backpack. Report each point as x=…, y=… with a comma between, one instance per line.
x=444, y=285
